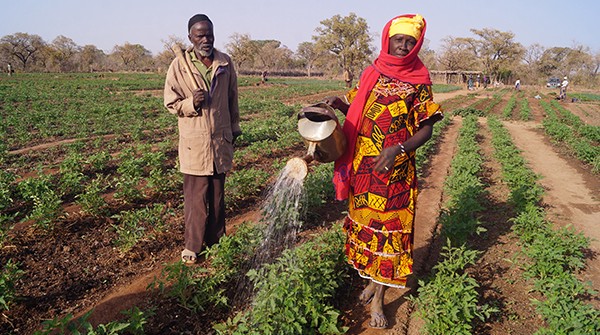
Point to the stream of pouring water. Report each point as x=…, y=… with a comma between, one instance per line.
x=281, y=213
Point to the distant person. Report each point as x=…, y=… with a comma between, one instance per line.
x=518, y=84
x=478, y=81
x=389, y=114
x=348, y=78
x=263, y=77
x=486, y=81
x=208, y=121
x=563, y=89
x=470, y=82
x=10, y=70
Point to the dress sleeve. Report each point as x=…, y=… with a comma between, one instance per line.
x=351, y=94
x=424, y=107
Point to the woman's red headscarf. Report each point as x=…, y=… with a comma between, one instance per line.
x=408, y=69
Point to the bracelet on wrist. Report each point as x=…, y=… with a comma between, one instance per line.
x=402, y=150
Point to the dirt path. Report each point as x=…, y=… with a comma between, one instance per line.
x=572, y=194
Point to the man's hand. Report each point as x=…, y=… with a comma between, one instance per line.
x=199, y=97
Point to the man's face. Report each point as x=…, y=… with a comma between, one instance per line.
x=201, y=36
x=401, y=45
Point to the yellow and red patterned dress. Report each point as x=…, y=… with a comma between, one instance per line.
x=379, y=225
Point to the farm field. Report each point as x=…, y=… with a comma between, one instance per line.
x=91, y=215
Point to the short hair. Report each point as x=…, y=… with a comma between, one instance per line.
x=197, y=18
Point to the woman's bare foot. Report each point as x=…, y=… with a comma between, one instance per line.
x=378, y=319
x=366, y=295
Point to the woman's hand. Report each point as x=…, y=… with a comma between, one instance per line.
x=384, y=163
x=337, y=103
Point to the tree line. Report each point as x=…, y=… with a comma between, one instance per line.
x=341, y=43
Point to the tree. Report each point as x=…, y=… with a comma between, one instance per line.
x=348, y=39
x=22, y=46
x=165, y=57
x=307, y=54
x=497, y=50
x=133, y=56
x=271, y=55
x=551, y=60
x=62, y=52
x=90, y=58
x=242, y=50
x=427, y=56
x=457, y=54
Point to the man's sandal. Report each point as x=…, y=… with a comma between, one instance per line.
x=188, y=256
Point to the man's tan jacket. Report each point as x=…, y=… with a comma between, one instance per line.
x=206, y=135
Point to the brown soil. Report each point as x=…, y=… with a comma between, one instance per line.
x=74, y=270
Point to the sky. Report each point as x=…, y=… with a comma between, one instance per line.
x=106, y=23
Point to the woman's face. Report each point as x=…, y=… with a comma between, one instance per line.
x=401, y=45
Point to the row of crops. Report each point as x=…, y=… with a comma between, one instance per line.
x=133, y=161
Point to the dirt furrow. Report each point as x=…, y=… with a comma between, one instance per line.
x=571, y=194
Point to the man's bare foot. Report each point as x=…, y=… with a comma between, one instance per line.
x=366, y=295
x=378, y=319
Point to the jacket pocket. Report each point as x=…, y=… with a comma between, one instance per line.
x=195, y=154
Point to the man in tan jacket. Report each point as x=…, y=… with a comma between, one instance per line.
x=208, y=120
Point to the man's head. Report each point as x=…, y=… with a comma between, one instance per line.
x=404, y=33
x=200, y=33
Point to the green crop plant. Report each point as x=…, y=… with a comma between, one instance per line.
x=521, y=180
x=294, y=295
x=427, y=150
x=194, y=288
x=444, y=88
x=99, y=161
x=9, y=275
x=525, y=110
x=449, y=301
x=133, y=224
x=46, y=202
x=510, y=106
x=134, y=324
x=130, y=172
x=71, y=178
x=91, y=200
x=468, y=111
x=129, y=231
x=464, y=187
x=6, y=193
x=497, y=98
x=243, y=184
x=161, y=181
x=318, y=189
x=199, y=288
x=585, y=149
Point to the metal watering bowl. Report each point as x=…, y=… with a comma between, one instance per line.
x=319, y=127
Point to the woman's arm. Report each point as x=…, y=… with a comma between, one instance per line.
x=388, y=155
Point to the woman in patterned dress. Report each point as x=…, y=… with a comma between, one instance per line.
x=389, y=114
